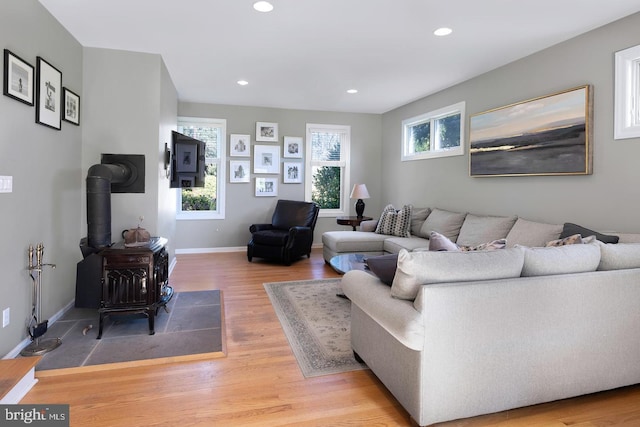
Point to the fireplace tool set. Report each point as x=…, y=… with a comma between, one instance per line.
x=36, y=327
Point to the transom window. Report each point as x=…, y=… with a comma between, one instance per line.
x=627, y=93
x=205, y=202
x=438, y=133
x=327, y=167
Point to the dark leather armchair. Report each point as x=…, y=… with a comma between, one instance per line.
x=290, y=234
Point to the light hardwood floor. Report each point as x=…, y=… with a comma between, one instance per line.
x=259, y=382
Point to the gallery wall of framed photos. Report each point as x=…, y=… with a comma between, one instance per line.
x=272, y=163
x=40, y=86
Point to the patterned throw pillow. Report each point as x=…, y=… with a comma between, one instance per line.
x=574, y=239
x=491, y=246
x=395, y=223
x=438, y=242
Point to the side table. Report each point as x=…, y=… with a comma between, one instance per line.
x=353, y=221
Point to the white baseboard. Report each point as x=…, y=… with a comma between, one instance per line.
x=20, y=390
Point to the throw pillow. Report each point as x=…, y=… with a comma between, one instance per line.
x=570, y=229
x=575, y=239
x=490, y=246
x=438, y=242
x=443, y=222
x=383, y=266
x=478, y=229
x=395, y=223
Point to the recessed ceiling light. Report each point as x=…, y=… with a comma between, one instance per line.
x=444, y=31
x=263, y=6
x=243, y=82
x=352, y=91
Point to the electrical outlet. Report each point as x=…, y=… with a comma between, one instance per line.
x=6, y=317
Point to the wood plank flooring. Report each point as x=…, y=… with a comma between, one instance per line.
x=259, y=382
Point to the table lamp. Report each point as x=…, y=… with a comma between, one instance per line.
x=359, y=192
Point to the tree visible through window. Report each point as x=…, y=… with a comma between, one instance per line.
x=435, y=134
x=327, y=163
x=207, y=201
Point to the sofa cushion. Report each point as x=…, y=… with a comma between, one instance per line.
x=531, y=233
x=560, y=260
x=570, y=229
x=395, y=223
x=444, y=222
x=353, y=241
x=384, y=267
x=418, y=216
x=480, y=229
x=619, y=256
x=394, y=244
x=426, y=267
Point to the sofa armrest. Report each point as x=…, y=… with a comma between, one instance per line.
x=369, y=225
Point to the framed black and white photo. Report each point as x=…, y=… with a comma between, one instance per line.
x=266, y=187
x=239, y=170
x=266, y=132
x=292, y=147
x=292, y=173
x=18, y=78
x=71, y=110
x=266, y=159
x=48, y=94
x=240, y=145
x=186, y=157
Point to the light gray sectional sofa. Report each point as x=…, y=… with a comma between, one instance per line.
x=459, y=334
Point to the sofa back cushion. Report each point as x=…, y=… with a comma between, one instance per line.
x=619, y=256
x=418, y=216
x=444, y=222
x=530, y=233
x=477, y=229
x=415, y=269
x=566, y=259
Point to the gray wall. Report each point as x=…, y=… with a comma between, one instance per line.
x=609, y=199
x=130, y=108
x=242, y=207
x=45, y=165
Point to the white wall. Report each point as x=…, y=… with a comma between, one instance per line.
x=609, y=199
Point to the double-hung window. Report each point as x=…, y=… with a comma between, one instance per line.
x=327, y=167
x=438, y=133
x=205, y=202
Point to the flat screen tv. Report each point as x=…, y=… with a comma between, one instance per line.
x=187, y=161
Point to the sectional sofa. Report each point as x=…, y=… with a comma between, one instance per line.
x=458, y=334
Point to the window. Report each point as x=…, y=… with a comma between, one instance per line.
x=205, y=202
x=327, y=167
x=627, y=94
x=439, y=133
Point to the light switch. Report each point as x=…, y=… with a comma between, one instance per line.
x=6, y=184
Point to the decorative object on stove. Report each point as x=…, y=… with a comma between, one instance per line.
x=136, y=236
x=359, y=192
x=38, y=327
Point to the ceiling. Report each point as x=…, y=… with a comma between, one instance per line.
x=305, y=54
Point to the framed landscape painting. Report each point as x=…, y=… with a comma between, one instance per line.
x=549, y=135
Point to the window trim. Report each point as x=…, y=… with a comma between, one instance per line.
x=432, y=116
x=222, y=172
x=627, y=94
x=344, y=163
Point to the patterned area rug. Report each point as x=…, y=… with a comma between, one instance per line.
x=191, y=329
x=317, y=324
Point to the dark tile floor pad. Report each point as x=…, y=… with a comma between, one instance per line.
x=192, y=326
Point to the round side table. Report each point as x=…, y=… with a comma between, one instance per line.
x=353, y=221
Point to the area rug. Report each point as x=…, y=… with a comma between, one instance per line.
x=190, y=328
x=317, y=324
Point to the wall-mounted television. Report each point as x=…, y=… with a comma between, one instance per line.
x=187, y=161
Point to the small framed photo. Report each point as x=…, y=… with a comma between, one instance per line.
x=48, y=94
x=266, y=187
x=186, y=157
x=266, y=159
x=292, y=173
x=266, y=132
x=239, y=170
x=18, y=78
x=71, y=111
x=240, y=145
x=292, y=147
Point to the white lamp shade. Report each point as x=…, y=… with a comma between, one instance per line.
x=359, y=192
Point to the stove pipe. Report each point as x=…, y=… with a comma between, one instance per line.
x=99, y=180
